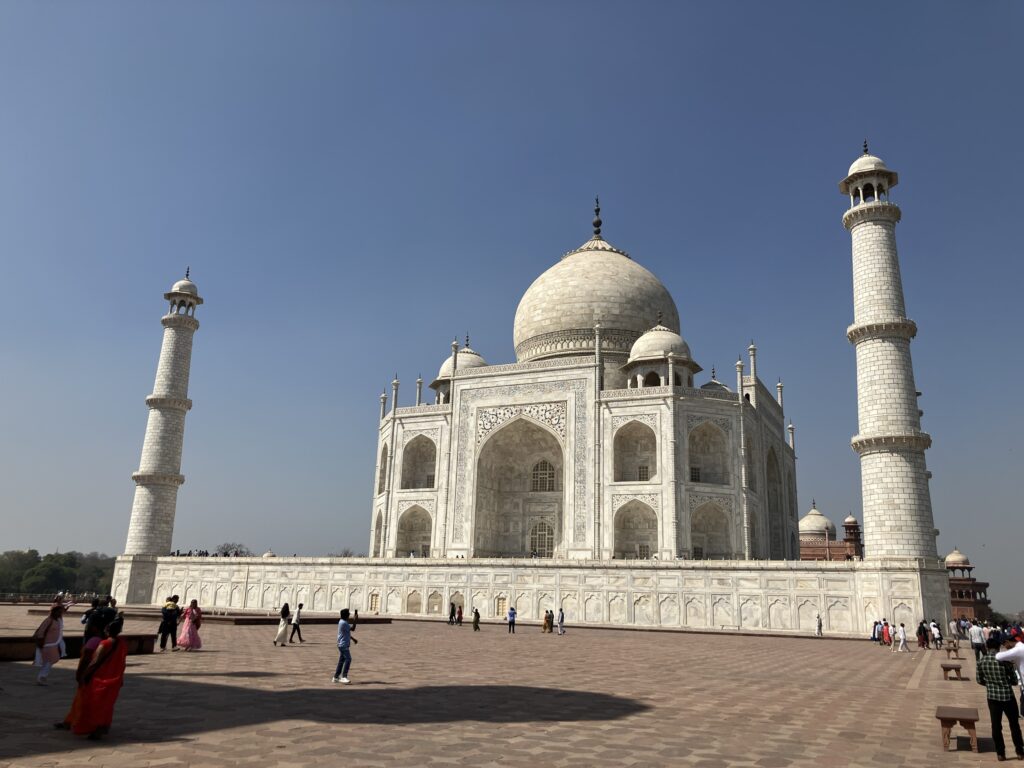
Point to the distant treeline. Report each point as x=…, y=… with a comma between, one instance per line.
x=78, y=572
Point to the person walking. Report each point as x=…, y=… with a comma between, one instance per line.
x=296, y=629
x=977, y=637
x=901, y=634
x=101, y=684
x=922, y=635
x=512, y=620
x=476, y=620
x=49, y=639
x=189, y=636
x=344, y=655
x=561, y=621
x=169, y=623
x=885, y=638
x=451, y=615
x=282, y=625
x=936, y=635
x=998, y=678
x=458, y=616
x=1013, y=652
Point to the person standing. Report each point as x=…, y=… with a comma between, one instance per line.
x=1013, y=645
x=998, y=678
x=101, y=684
x=451, y=615
x=922, y=635
x=189, y=637
x=936, y=635
x=977, y=637
x=561, y=621
x=512, y=620
x=282, y=625
x=169, y=623
x=458, y=616
x=886, y=636
x=296, y=629
x=476, y=620
x=49, y=639
x=817, y=625
x=344, y=655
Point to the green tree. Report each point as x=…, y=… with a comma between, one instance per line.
x=229, y=548
x=48, y=576
x=14, y=564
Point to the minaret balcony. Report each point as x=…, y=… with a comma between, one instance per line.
x=908, y=441
x=878, y=210
x=899, y=328
x=157, y=478
x=179, y=321
x=174, y=403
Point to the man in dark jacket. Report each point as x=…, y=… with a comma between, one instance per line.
x=169, y=623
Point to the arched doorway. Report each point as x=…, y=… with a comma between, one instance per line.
x=382, y=472
x=519, y=492
x=636, y=531
x=419, y=459
x=414, y=529
x=636, y=453
x=709, y=533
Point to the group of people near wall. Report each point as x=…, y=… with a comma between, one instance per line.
x=101, y=665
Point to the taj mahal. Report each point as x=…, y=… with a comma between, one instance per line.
x=604, y=472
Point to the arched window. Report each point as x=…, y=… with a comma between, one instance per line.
x=382, y=473
x=652, y=379
x=636, y=453
x=542, y=540
x=418, y=461
x=543, y=477
x=677, y=379
x=709, y=455
x=869, y=193
x=377, y=528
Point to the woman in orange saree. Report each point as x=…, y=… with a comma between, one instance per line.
x=101, y=684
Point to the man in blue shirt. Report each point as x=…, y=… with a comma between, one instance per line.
x=512, y=620
x=344, y=656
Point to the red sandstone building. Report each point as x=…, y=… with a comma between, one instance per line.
x=818, y=540
x=968, y=595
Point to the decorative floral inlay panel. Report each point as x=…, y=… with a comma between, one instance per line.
x=552, y=414
x=650, y=419
x=695, y=420
x=653, y=500
x=695, y=500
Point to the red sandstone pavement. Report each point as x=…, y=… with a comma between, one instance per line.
x=428, y=694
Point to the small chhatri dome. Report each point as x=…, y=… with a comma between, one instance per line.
x=957, y=559
x=467, y=359
x=715, y=384
x=658, y=342
x=850, y=520
x=269, y=553
x=186, y=285
x=816, y=524
x=867, y=162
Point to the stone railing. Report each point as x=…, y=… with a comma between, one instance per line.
x=417, y=409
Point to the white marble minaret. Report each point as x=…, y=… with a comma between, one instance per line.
x=894, y=479
x=159, y=474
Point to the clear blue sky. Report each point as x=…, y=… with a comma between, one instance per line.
x=355, y=184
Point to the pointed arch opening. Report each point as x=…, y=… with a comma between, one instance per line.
x=382, y=471
x=652, y=379
x=710, y=533
x=773, y=491
x=709, y=455
x=636, y=531
x=519, y=492
x=414, y=529
x=636, y=453
x=378, y=528
x=419, y=460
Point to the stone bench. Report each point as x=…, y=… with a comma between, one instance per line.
x=950, y=716
x=947, y=668
x=23, y=648
x=952, y=652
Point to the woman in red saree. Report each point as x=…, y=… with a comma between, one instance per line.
x=101, y=683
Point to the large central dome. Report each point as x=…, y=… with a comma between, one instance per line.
x=595, y=283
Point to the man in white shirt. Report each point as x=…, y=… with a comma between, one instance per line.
x=977, y=636
x=1013, y=651
x=901, y=634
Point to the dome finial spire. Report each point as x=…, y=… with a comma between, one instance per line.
x=597, y=218
x=713, y=373
x=187, y=270
x=659, y=317
x=865, y=146
x=467, y=339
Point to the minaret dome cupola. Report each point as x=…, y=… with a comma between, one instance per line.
x=868, y=180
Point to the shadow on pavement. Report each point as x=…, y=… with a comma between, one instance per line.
x=161, y=709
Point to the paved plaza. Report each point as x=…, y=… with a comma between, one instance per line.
x=424, y=693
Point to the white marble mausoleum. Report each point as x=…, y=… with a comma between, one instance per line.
x=603, y=471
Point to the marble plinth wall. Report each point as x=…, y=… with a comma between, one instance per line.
x=765, y=596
